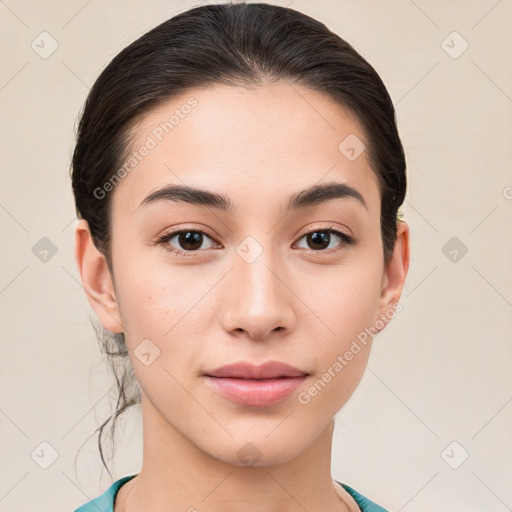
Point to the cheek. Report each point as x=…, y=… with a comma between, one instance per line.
x=144, y=307
x=153, y=298
x=345, y=300
x=167, y=316
x=347, y=307
x=341, y=353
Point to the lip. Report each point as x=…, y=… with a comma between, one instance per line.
x=256, y=386
x=268, y=370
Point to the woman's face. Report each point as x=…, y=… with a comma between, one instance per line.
x=266, y=281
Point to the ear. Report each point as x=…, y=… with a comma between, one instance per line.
x=395, y=273
x=96, y=279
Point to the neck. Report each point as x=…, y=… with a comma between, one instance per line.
x=178, y=473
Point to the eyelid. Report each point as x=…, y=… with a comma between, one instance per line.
x=333, y=227
x=166, y=236
x=346, y=240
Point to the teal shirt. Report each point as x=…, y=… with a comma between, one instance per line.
x=105, y=502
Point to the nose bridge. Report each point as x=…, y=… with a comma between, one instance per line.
x=253, y=264
x=258, y=300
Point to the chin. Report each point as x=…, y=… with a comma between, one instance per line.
x=259, y=449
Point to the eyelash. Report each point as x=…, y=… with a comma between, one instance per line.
x=347, y=240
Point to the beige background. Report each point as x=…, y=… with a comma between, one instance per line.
x=441, y=372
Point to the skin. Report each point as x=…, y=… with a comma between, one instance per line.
x=293, y=303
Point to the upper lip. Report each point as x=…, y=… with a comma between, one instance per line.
x=268, y=370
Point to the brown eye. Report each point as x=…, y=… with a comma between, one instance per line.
x=322, y=239
x=187, y=241
x=190, y=240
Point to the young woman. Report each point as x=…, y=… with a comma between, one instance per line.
x=238, y=176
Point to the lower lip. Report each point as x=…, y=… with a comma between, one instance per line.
x=255, y=393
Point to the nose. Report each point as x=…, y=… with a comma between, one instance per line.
x=257, y=299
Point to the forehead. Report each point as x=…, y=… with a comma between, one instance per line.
x=261, y=143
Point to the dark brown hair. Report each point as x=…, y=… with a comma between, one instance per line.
x=233, y=44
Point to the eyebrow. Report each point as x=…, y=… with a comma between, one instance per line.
x=311, y=196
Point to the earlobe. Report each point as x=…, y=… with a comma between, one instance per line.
x=96, y=279
x=395, y=272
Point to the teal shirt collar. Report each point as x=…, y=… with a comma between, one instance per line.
x=105, y=502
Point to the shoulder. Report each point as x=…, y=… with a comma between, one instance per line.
x=104, y=502
x=365, y=504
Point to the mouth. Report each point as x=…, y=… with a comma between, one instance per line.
x=268, y=370
x=255, y=386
